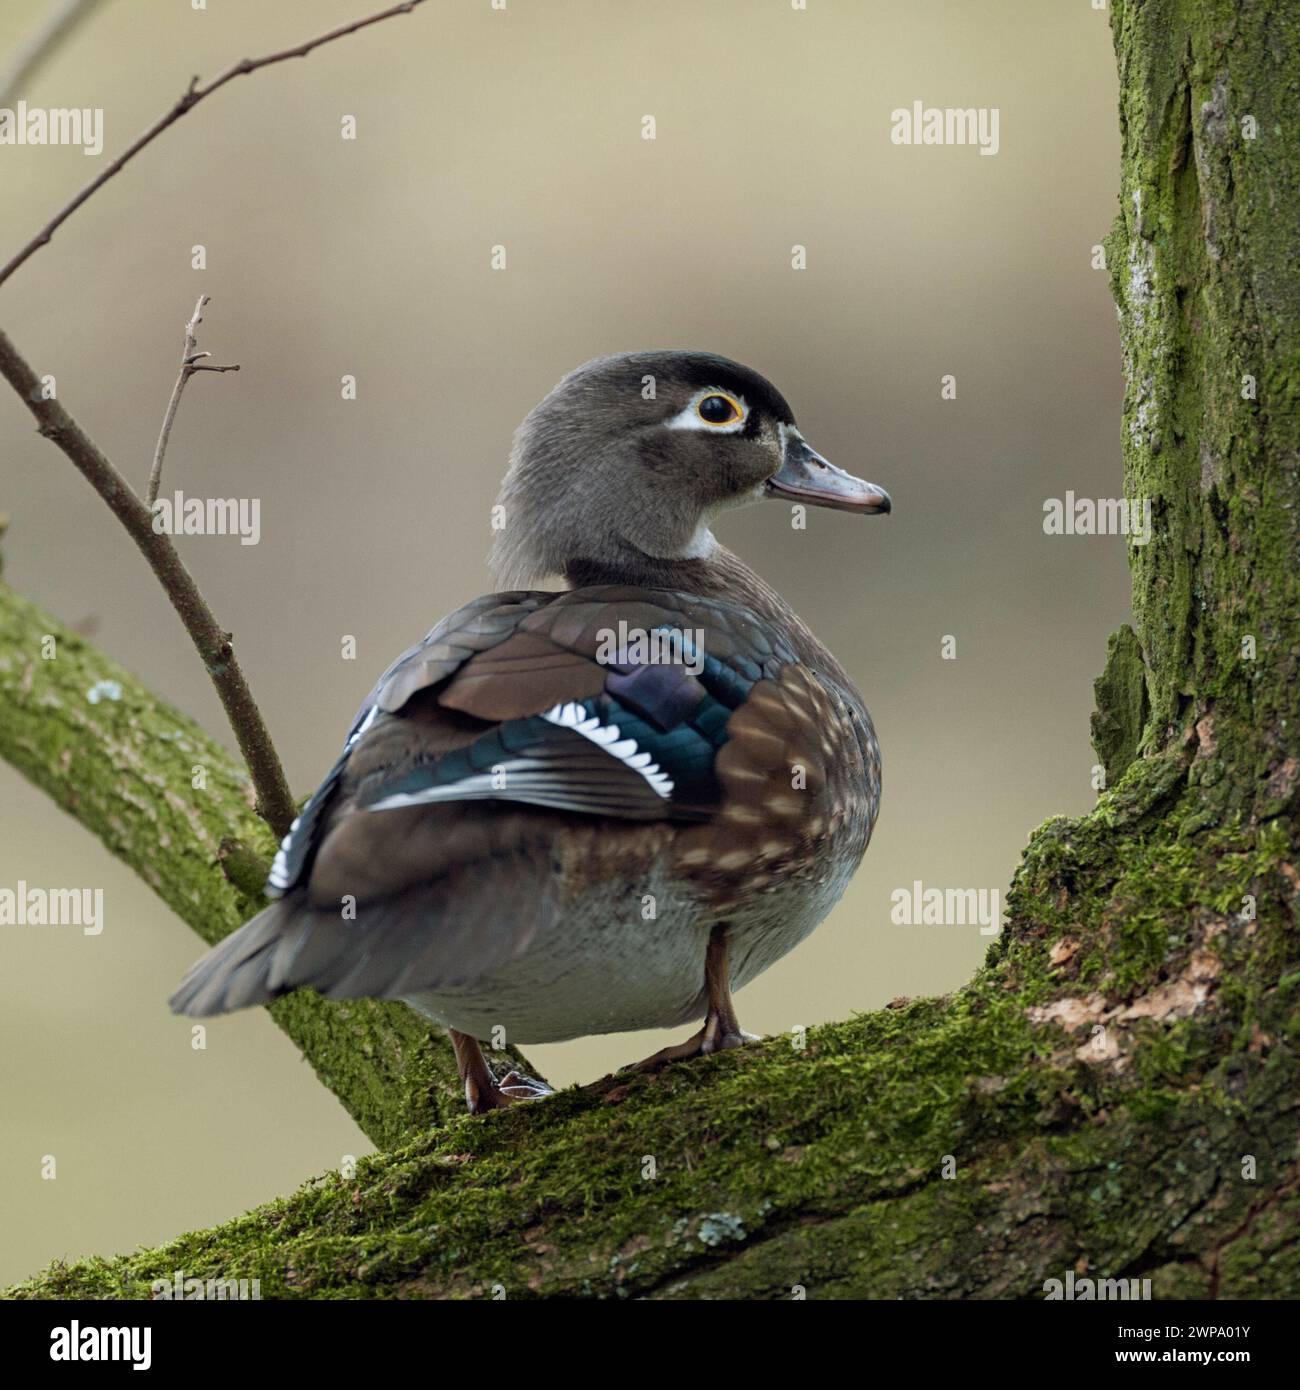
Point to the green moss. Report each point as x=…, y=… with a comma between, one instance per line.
x=1122, y=705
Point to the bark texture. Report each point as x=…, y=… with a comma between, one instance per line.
x=1115, y=1093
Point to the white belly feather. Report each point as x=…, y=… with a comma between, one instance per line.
x=602, y=967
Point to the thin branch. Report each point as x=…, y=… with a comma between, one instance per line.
x=33, y=52
x=213, y=643
x=190, y=363
x=190, y=98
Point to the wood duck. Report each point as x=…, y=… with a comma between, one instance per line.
x=598, y=808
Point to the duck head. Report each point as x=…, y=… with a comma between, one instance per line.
x=633, y=456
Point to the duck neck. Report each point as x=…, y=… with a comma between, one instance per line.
x=721, y=575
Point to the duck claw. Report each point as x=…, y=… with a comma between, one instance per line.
x=514, y=1085
x=702, y=1044
x=512, y=1088
x=724, y=1041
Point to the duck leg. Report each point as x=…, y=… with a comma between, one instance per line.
x=721, y=1029
x=482, y=1090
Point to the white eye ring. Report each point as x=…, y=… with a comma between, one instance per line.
x=691, y=419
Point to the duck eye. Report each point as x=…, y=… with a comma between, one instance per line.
x=718, y=410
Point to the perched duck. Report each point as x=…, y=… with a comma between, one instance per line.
x=598, y=808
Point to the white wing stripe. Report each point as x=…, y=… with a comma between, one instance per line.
x=606, y=736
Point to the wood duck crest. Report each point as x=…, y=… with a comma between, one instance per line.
x=602, y=807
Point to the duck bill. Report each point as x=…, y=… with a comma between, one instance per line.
x=804, y=476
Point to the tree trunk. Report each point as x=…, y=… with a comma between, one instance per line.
x=1115, y=1093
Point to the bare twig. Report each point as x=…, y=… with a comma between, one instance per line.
x=53, y=27
x=190, y=98
x=213, y=643
x=190, y=363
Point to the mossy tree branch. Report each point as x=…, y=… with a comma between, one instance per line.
x=124, y=763
x=778, y=1167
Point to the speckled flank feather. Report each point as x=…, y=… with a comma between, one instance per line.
x=800, y=773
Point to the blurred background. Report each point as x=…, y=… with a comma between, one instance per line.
x=522, y=128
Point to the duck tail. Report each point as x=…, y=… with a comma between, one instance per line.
x=239, y=971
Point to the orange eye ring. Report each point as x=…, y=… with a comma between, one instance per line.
x=718, y=408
